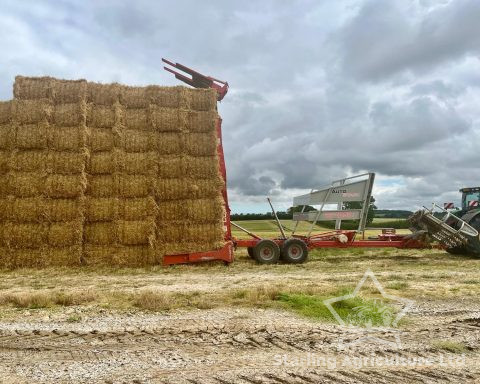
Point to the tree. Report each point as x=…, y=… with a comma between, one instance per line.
x=358, y=205
x=299, y=208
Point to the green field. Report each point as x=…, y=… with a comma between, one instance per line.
x=269, y=228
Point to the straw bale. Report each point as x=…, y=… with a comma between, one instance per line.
x=103, y=94
x=134, y=97
x=25, y=184
x=100, y=139
x=171, y=167
x=168, y=143
x=5, y=208
x=29, y=88
x=24, y=210
x=32, y=136
x=7, y=136
x=66, y=138
x=121, y=256
x=201, y=144
x=101, y=186
x=137, y=208
x=205, y=210
x=200, y=121
x=138, y=232
x=67, y=115
x=15, y=235
x=28, y=161
x=55, y=210
x=66, y=163
x=101, y=163
x=167, y=119
x=173, y=210
x=64, y=186
x=137, y=119
x=136, y=141
x=4, y=162
x=40, y=258
x=5, y=111
x=101, y=116
x=204, y=167
x=166, y=97
x=101, y=233
x=199, y=99
x=178, y=189
x=65, y=234
x=32, y=111
x=100, y=209
x=69, y=91
x=133, y=185
x=196, y=233
x=137, y=163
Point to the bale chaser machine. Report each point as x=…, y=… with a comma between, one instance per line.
x=456, y=232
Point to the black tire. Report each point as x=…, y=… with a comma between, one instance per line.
x=294, y=251
x=457, y=251
x=250, y=252
x=266, y=252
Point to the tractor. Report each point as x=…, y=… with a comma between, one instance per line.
x=456, y=229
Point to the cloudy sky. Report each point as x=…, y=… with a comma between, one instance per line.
x=318, y=89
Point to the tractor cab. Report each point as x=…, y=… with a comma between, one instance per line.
x=470, y=198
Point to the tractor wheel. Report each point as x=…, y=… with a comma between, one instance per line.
x=473, y=246
x=457, y=251
x=294, y=251
x=250, y=252
x=266, y=252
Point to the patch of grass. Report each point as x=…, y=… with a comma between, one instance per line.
x=74, y=319
x=357, y=311
x=471, y=282
x=37, y=300
x=449, y=346
x=156, y=301
x=398, y=285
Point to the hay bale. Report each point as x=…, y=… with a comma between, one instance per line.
x=102, y=94
x=167, y=119
x=171, y=167
x=30, y=88
x=64, y=186
x=199, y=99
x=101, y=163
x=68, y=115
x=136, y=141
x=101, y=116
x=200, y=121
x=201, y=144
x=66, y=138
x=101, y=209
x=54, y=210
x=32, y=111
x=101, y=233
x=69, y=91
x=168, y=143
x=136, y=163
x=183, y=188
x=137, y=208
x=166, y=97
x=134, y=97
x=5, y=111
x=100, y=139
x=205, y=167
x=101, y=186
x=206, y=211
x=66, y=163
x=65, y=234
x=138, y=119
x=22, y=235
x=4, y=162
x=133, y=185
x=25, y=210
x=28, y=161
x=196, y=234
x=121, y=256
x=32, y=136
x=40, y=258
x=24, y=184
x=7, y=136
x=138, y=232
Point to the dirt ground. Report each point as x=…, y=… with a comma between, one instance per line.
x=224, y=333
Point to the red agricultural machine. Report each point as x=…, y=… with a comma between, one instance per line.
x=451, y=232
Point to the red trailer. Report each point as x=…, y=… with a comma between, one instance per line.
x=294, y=248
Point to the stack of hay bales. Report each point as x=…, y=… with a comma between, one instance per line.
x=107, y=174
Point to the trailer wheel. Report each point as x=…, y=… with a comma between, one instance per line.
x=266, y=252
x=294, y=251
x=250, y=252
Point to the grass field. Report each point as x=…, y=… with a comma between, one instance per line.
x=269, y=228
